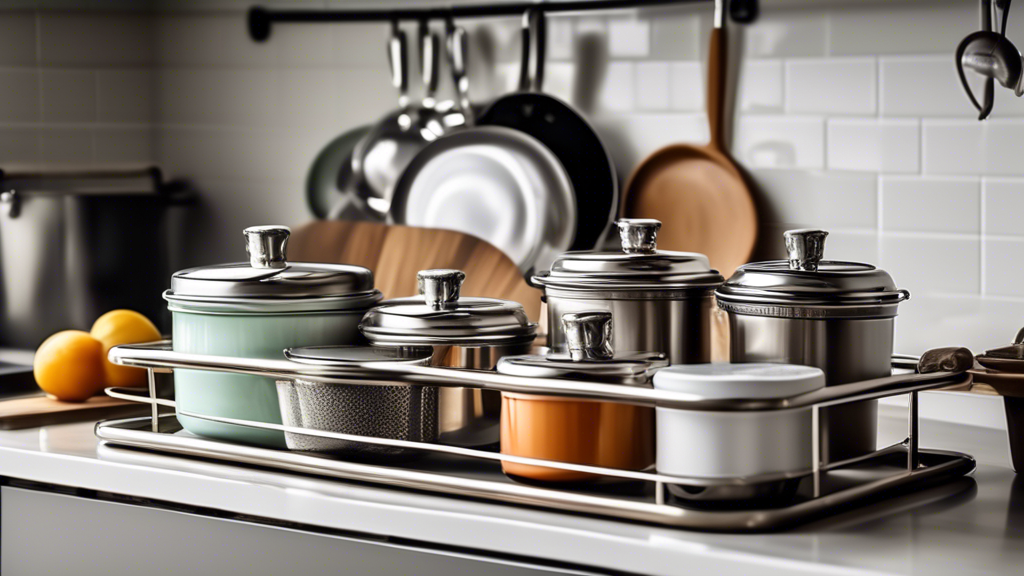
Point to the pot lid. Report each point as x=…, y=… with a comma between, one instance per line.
x=732, y=381
x=268, y=280
x=639, y=265
x=590, y=357
x=440, y=316
x=806, y=286
x=355, y=355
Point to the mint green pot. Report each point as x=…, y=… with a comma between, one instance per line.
x=247, y=336
x=257, y=309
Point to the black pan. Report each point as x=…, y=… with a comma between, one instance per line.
x=566, y=134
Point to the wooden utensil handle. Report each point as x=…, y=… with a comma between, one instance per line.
x=717, y=65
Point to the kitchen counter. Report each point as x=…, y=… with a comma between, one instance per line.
x=977, y=530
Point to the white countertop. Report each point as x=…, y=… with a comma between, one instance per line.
x=975, y=532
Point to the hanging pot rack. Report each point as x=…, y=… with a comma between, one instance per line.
x=262, y=19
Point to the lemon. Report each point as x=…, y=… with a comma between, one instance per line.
x=123, y=327
x=69, y=366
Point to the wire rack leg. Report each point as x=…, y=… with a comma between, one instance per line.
x=913, y=455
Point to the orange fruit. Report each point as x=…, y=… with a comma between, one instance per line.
x=69, y=366
x=123, y=327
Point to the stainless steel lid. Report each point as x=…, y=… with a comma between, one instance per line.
x=639, y=266
x=269, y=283
x=805, y=286
x=590, y=357
x=440, y=316
x=357, y=355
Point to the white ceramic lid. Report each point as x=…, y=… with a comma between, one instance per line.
x=753, y=380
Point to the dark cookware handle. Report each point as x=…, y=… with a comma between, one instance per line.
x=458, y=56
x=989, y=94
x=398, y=60
x=717, y=64
x=534, y=38
x=429, y=59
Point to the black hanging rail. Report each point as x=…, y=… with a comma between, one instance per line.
x=261, y=19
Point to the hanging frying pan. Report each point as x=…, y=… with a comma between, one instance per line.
x=565, y=133
x=699, y=189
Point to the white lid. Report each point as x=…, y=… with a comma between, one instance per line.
x=754, y=380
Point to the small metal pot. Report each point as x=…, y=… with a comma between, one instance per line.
x=837, y=316
x=466, y=333
x=661, y=301
x=399, y=412
x=606, y=434
x=735, y=445
x=256, y=309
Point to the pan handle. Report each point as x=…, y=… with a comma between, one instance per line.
x=399, y=61
x=718, y=60
x=534, y=38
x=458, y=55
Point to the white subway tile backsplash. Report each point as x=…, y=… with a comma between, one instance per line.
x=125, y=95
x=873, y=145
x=780, y=142
x=972, y=147
x=93, y=39
x=808, y=199
x=1004, y=275
x=307, y=46
x=629, y=38
x=617, y=90
x=931, y=321
x=307, y=97
x=68, y=96
x=687, y=86
x=676, y=37
x=225, y=97
x=19, y=95
x=652, y=85
x=363, y=45
x=124, y=145
x=19, y=145
x=931, y=263
x=66, y=146
x=786, y=33
x=900, y=27
x=1004, y=206
x=831, y=86
x=922, y=86
x=760, y=87
x=17, y=38
x=916, y=204
x=629, y=138
x=209, y=40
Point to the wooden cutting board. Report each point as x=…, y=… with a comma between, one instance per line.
x=39, y=410
x=396, y=253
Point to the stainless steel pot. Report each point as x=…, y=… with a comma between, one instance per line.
x=399, y=412
x=837, y=316
x=467, y=333
x=661, y=301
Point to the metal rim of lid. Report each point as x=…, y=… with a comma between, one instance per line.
x=756, y=380
x=625, y=368
x=354, y=356
x=352, y=303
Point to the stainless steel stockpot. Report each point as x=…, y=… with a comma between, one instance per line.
x=467, y=333
x=398, y=412
x=837, y=316
x=661, y=300
x=256, y=309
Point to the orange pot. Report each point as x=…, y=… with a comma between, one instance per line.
x=577, y=431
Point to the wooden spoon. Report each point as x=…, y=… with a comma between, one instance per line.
x=698, y=191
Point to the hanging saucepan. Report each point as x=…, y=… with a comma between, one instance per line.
x=563, y=131
x=492, y=182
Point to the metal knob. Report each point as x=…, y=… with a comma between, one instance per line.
x=266, y=246
x=440, y=288
x=588, y=335
x=805, y=248
x=638, y=235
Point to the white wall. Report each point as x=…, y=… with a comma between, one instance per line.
x=849, y=117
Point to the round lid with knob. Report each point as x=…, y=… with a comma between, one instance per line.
x=588, y=337
x=639, y=265
x=804, y=285
x=441, y=315
x=269, y=283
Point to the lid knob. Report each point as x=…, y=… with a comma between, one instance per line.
x=638, y=235
x=588, y=335
x=440, y=288
x=806, y=248
x=266, y=246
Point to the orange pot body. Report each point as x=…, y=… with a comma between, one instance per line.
x=577, y=431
